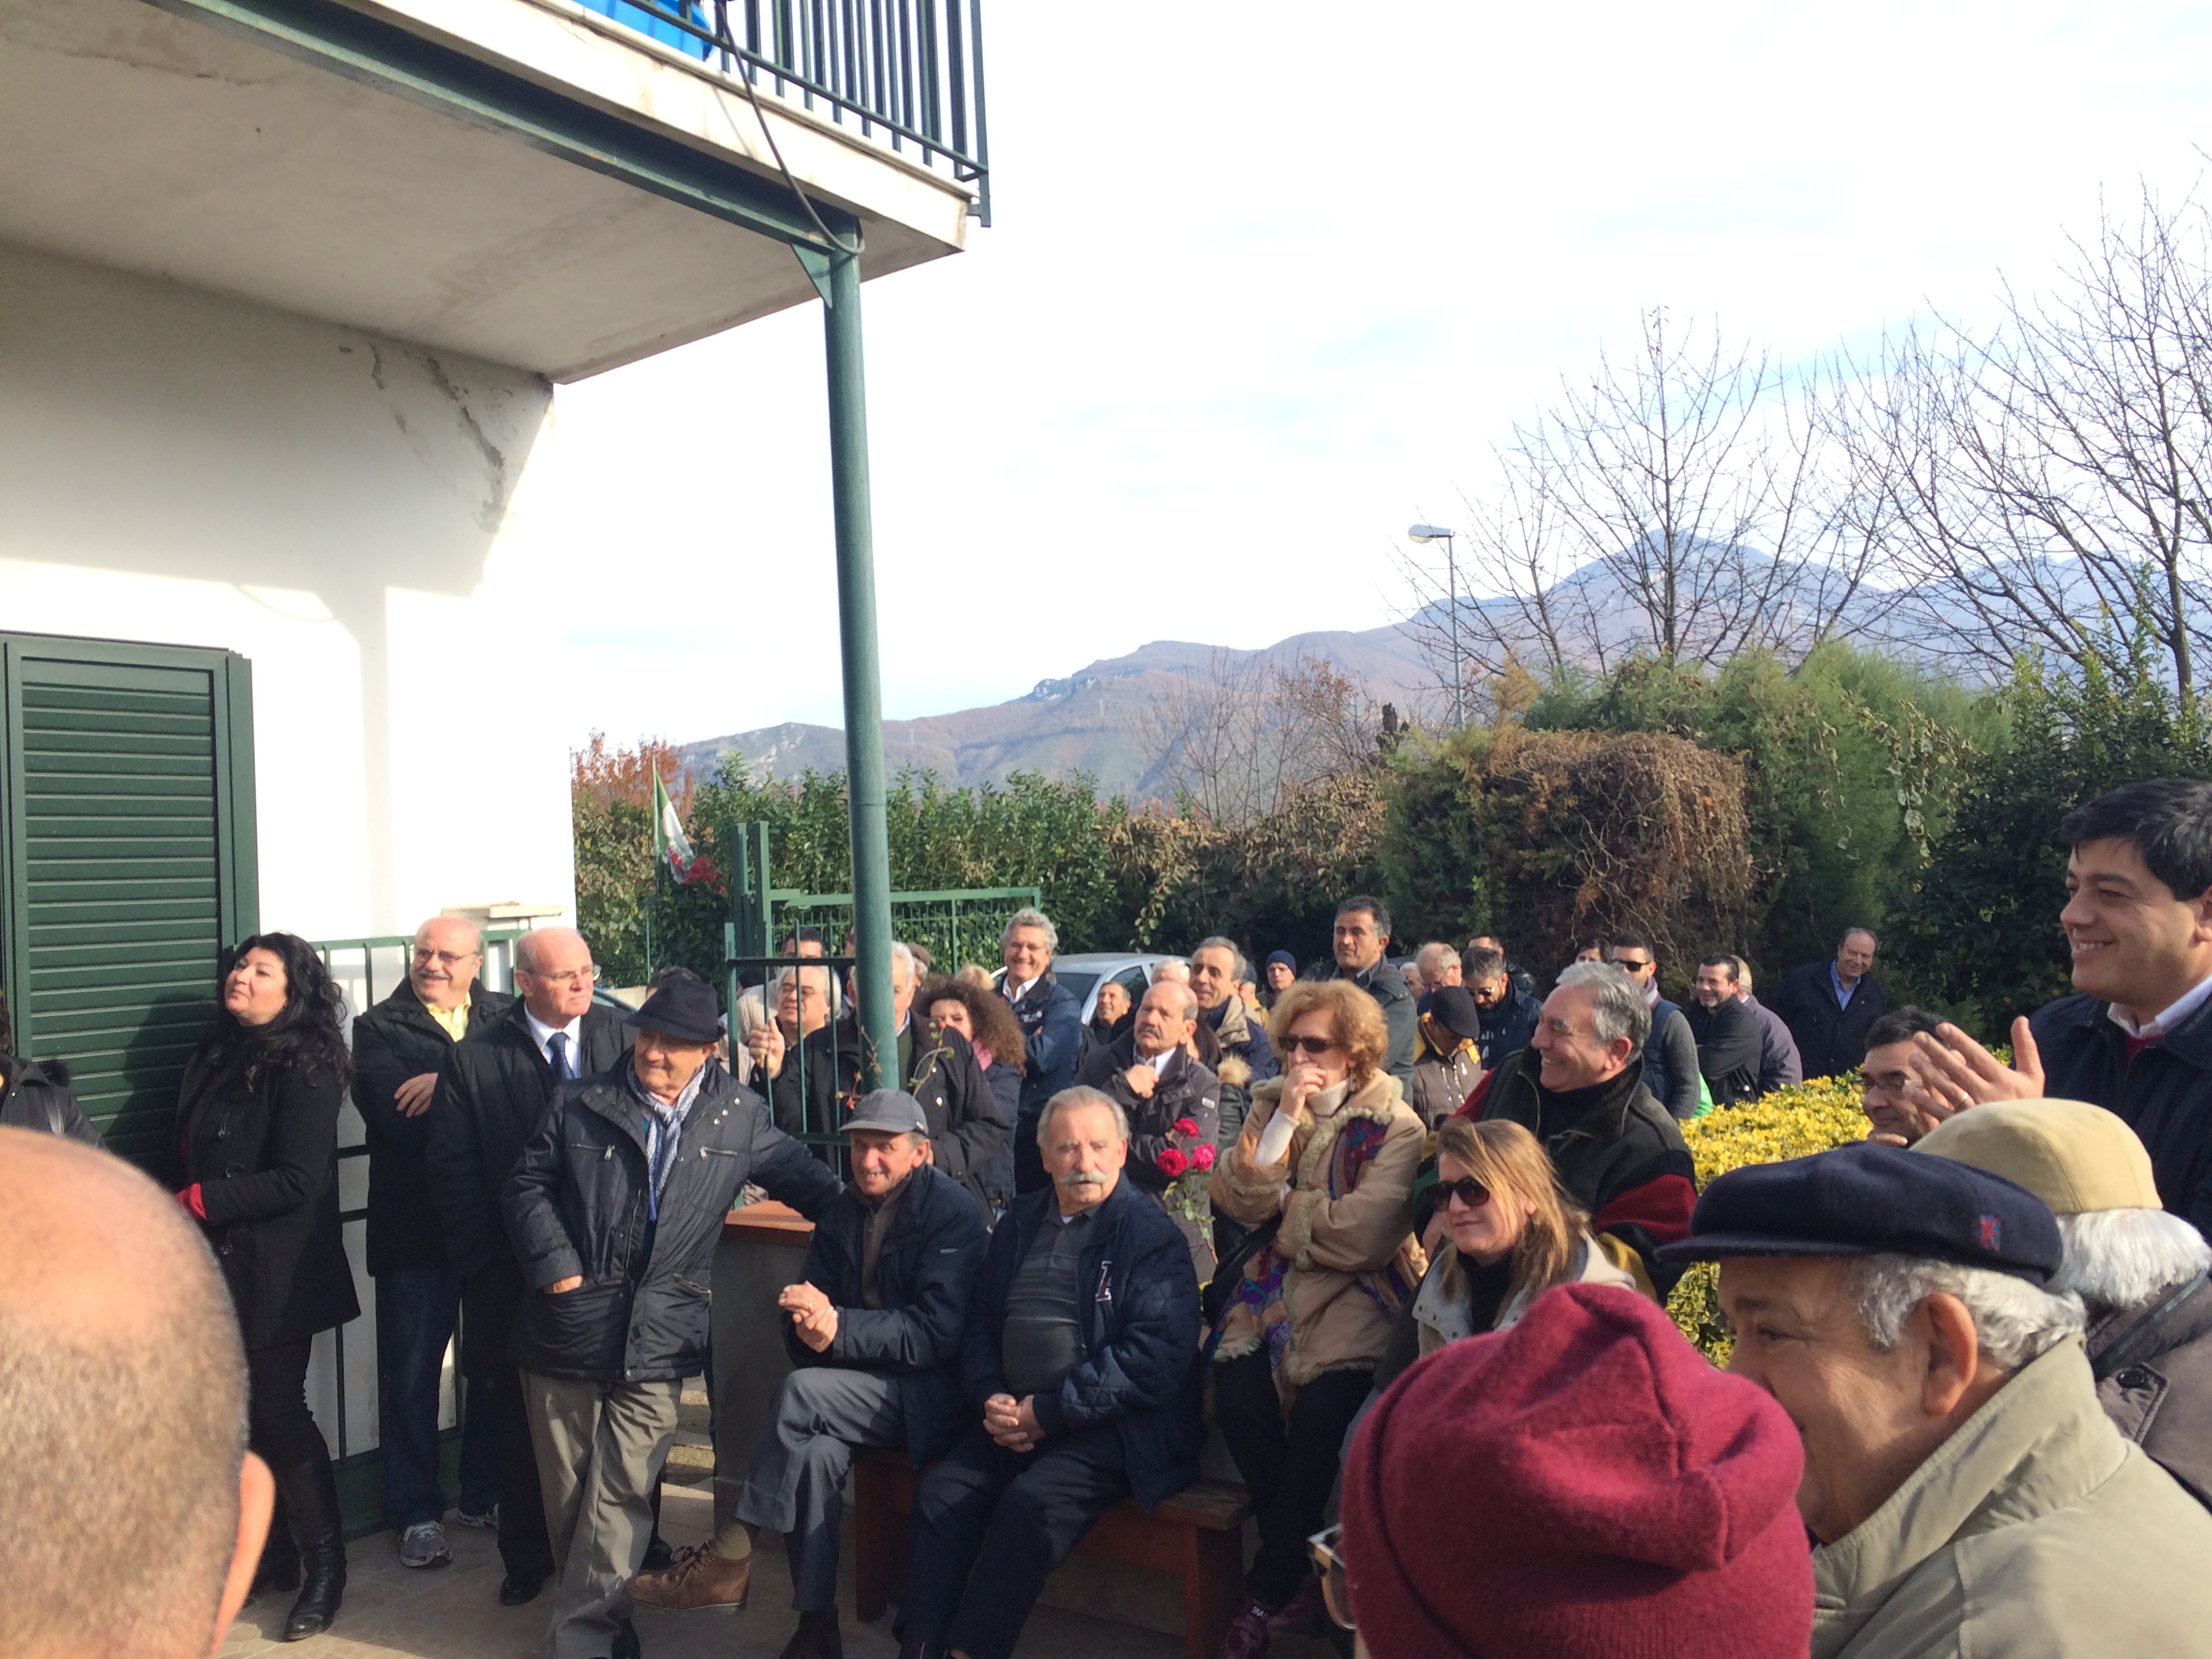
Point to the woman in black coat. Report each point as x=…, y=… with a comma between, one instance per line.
x=37, y=1097
x=258, y=1121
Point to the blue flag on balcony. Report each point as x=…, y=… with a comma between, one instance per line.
x=669, y=840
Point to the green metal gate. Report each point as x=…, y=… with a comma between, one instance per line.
x=127, y=862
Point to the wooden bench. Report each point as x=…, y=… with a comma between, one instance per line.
x=1198, y=1534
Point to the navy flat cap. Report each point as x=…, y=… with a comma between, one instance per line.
x=684, y=1009
x=1866, y=1200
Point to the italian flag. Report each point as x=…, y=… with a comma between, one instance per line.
x=669, y=840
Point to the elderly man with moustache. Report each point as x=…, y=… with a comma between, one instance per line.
x=1966, y=1492
x=1081, y=1357
x=1152, y=1074
x=491, y=1096
x=134, y=1514
x=873, y=1328
x=398, y=1048
x=614, y=1211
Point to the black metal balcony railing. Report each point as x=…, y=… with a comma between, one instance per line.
x=912, y=69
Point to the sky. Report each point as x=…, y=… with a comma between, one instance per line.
x=1267, y=283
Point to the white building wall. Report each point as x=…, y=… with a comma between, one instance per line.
x=350, y=514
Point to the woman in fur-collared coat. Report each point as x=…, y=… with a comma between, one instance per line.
x=1325, y=1159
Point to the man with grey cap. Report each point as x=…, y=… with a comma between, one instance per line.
x=874, y=1327
x=614, y=1211
x=1966, y=1492
x=2140, y=1272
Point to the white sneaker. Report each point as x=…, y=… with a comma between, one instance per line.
x=488, y=1519
x=424, y=1545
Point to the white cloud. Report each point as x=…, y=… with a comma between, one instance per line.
x=1266, y=283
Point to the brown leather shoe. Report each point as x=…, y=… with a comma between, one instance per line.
x=816, y=1637
x=696, y=1577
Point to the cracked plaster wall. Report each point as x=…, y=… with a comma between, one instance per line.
x=351, y=513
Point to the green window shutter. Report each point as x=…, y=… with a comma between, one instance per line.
x=128, y=833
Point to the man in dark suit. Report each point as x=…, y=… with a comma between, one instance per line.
x=1828, y=1005
x=398, y=1048
x=491, y=1098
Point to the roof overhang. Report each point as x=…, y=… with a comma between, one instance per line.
x=519, y=180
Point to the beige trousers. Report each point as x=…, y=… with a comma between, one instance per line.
x=600, y=1447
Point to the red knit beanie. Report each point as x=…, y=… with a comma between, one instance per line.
x=1584, y=1483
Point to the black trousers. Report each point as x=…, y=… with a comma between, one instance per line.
x=278, y=1424
x=1022, y=1513
x=1289, y=1464
x=525, y=1548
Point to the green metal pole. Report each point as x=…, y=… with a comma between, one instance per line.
x=864, y=696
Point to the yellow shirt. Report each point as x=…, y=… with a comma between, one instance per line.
x=454, y=1022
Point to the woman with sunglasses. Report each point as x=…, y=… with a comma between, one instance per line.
x=1323, y=1172
x=1511, y=1234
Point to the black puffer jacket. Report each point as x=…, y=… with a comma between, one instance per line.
x=394, y=1041
x=1141, y=1369
x=2164, y=1094
x=925, y=1278
x=261, y=1144
x=577, y=1205
x=34, y=1096
x=1730, y=1042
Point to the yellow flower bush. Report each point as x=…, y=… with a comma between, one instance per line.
x=1795, y=1122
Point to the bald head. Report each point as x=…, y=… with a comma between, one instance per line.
x=122, y=1411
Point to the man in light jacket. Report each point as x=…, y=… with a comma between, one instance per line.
x=1967, y=1492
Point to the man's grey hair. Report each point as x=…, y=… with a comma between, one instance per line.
x=1435, y=951
x=2015, y=1321
x=1848, y=933
x=1081, y=1095
x=901, y=952
x=1620, y=1011
x=1743, y=974
x=1189, y=997
x=1481, y=963
x=476, y=933
x=2121, y=1259
x=1240, y=968
x=1030, y=916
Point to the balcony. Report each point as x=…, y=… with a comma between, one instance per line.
x=560, y=187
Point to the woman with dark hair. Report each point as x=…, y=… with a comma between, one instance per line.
x=979, y=1013
x=37, y=1097
x=257, y=1122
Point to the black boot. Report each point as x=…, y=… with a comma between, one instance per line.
x=278, y=1572
x=311, y=1495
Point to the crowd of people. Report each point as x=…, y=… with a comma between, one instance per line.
x=1402, y=1236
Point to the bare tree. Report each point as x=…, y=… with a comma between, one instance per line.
x=1238, y=739
x=1685, y=503
x=2050, y=487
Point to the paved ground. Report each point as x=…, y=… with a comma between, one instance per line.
x=453, y=1613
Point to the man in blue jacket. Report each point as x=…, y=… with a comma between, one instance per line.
x=614, y=1212
x=1051, y=1018
x=1081, y=1356
x=873, y=1330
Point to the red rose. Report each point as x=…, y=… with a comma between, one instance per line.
x=1173, y=1162
x=1183, y=1125
x=1202, y=1157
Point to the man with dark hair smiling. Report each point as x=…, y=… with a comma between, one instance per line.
x=2136, y=1039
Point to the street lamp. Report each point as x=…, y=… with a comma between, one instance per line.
x=1429, y=532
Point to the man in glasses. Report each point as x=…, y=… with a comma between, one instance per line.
x=490, y=1099
x=398, y=1048
x=1670, y=1058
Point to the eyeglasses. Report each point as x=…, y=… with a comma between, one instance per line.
x=1324, y=1550
x=1294, y=1044
x=1467, y=1189
x=443, y=958
x=1632, y=963
x=573, y=977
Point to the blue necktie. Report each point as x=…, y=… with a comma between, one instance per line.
x=557, y=1044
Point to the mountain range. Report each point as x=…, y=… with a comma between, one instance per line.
x=1092, y=722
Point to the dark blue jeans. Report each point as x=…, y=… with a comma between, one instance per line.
x=415, y=1312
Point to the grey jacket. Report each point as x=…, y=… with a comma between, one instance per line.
x=2034, y=1532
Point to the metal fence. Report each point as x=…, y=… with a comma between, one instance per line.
x=907, y=72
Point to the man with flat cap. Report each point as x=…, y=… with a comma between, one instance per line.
x=1965, y=1490
x=614, y=1212
x=874, y=1327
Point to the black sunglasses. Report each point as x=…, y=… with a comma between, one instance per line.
x=1467, y=1189
x=1308, y=1045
